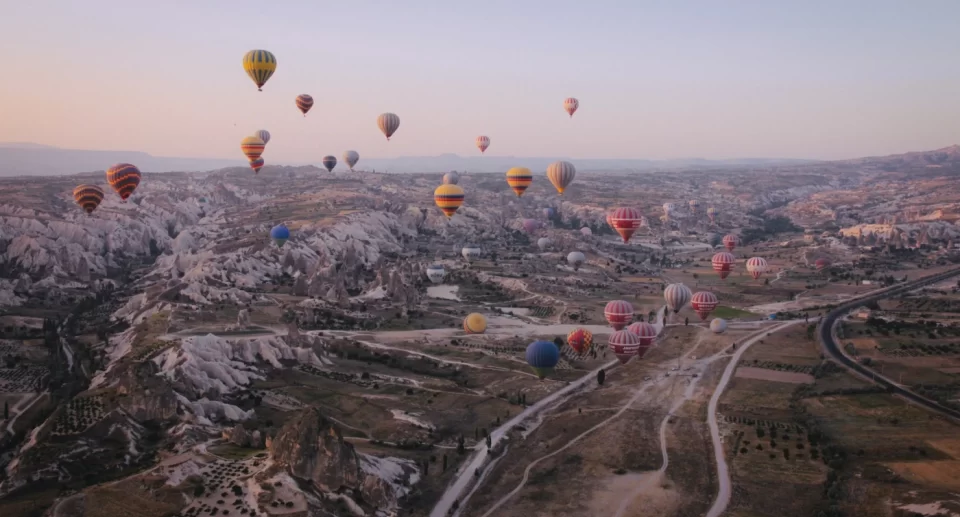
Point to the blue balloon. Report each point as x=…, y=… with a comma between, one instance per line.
x=549, y=212
x=279, y=234
x=542, y=356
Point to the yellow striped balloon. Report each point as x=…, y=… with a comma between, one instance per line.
x=474, y=323
x=388, y=123
x=519, y=178
x=561, y=174
x=88, y=197
x=259, y=65
x=124, y=179
x=448, y=198
x=252, y=147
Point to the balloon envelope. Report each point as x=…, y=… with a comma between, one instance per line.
x=542, y=356
x=124, y=178
x=260, y=66
x=88, y=197
x=475, y=323
x=279, y=234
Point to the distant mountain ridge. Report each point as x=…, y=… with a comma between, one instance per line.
x=31, y=159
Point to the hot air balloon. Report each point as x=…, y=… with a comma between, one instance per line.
x=259, y=65
x=580, y=340
x=252, y=147
x=451, y=178
x=388, y=123
x=304, y=102
x=703, y=303
x=730, y=241
x=471, y=252
x=586, y=231
x=542, y=356
x=723, y=263
x=619, y=313
x=821, y=264
x=576, y=259
x=435, y=273
x=570, y=105
x=624, y=344
x=543, y=243
x=88, y=197
x=530, y=225
x=448, y=198
x=694, y=206
x=625, y=221
x=756, y=266
x=549, y=212
x=257, y=164
x=264, y=135
x=351, y=158
x=123, y=179
x=668, y=209
x=676, y=296
x=561, y=174
x=647, y=334
x=475, y=323
x=712, y=214
x=483, y=142
x=519, y=178
x=329, y=162
x=718, y=325
x=280, y=234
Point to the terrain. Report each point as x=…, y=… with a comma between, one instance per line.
x=164, y=357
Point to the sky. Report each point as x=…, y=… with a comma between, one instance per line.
x=655, y=79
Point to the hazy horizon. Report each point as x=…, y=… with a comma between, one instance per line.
x=819, y=81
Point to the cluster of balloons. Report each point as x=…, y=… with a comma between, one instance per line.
x=123, y=178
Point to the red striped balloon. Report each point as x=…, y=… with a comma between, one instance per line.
x=703, y=303
x=757, y=266
x=580, y=340
x=570, y=105
x=723, y=263
x=124, y=179
x=625, y=221
x=730, y=241
x=483, y=142
x=647, y=334
x=618, y=313
x=624, y=344
x=304, y=102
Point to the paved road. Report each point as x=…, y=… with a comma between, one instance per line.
x=829, y=342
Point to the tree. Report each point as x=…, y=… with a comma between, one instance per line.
x=686, y=321
x=601, y=375
x=6, y=410
x=558, y=341
x=444, y=463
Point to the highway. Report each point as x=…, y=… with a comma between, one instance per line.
x=830, y=345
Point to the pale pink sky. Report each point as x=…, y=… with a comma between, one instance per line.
x=817, y=79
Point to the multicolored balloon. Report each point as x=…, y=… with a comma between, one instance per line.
x=351, y=158
x=570, y=105
x=388, y=124
x=123, y=179
x=703, y=303
x=625, y=220
x=257, y=164
x=723, y=263
x=561, y=174
x=304, y=102
x=252, y=147
x=730, y=241
x=259, y=65
x=519, y=178
x=757, y=266
x=476, y=323
x=694, y=206
x=580, y=340
x=483, y=142
x=264, y=135
x=329, y=162
x=619, y=313
x=530, y=225
x=718, y=325
x=451, y=178
x=543, y=243
x=821, y=264
x=448, y=198
x=624, y=344
x=712, y=214
x=280, y=233
x=88, y=197
x=549, y=212
x=542, y=356
x=676, y=296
